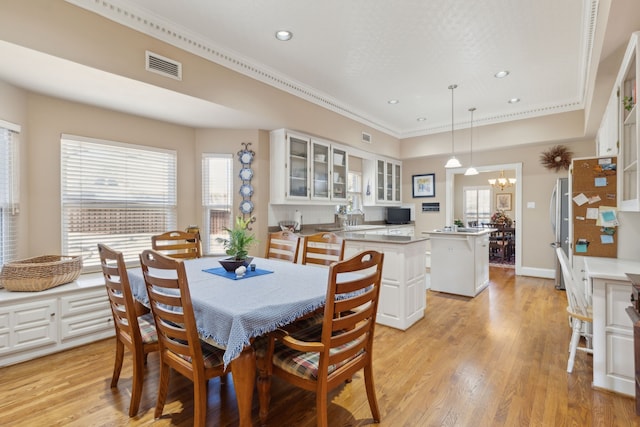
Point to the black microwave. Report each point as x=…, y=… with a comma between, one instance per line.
x=398, y=216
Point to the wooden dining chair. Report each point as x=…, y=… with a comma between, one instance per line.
x=135, y=329
x=324, y=356
x=283, y=245
x=180, y=346
x=177, y=244
x=580, y=311
x=322, y=249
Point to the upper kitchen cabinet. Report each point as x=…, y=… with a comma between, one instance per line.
x=607, y=138
x=305, y=169
x=383, y=178
x=626, y=91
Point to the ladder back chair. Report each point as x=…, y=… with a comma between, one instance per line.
x=180, y=346
x=322, y=249
x=134, y=330
x=580, y=312
x=177, y=244
x=326, y=355
x=283, y=245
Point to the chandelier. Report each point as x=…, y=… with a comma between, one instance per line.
x=502, y=182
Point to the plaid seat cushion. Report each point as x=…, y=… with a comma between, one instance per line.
x=212, y=355
x=147, y=329
x=305, y=364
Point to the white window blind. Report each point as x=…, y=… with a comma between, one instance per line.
x=117, y=194
x=477, y=205
x=217, y=198
x=9, y=191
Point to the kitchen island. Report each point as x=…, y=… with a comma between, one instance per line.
x=460, y=260
x=403, y=293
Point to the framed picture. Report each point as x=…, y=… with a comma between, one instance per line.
x=503, y=201
x=424, y=185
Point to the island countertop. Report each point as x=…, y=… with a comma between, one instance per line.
x=461, y=232
x=384, y=238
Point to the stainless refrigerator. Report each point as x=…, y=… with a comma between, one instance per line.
x=559, y=213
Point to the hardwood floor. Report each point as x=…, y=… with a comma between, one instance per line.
x=496, y=360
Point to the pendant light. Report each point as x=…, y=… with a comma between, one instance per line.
x=471, y=170
x=453, y=162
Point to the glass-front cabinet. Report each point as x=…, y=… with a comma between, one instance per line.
x=386, y=176
x=626, y=88
x=306, y=169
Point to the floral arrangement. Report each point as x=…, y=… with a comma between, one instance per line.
x=239, y=241
x=499, y=217
x=458, y=222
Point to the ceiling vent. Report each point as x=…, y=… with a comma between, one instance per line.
x=366, y=138
x=161, y=65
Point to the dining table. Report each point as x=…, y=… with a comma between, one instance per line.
x=232, y=311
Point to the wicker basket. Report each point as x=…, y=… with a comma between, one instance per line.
x=40, y=273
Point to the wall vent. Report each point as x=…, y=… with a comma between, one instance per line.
x=366, y=138
x=161, y=65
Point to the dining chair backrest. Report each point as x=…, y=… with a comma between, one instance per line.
x=136, y=334
x=322, y=249
x=180, y=346
x=177, y=244
x=575, y=296
x=283, y=245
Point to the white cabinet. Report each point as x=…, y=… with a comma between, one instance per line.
x=612, y=337
x=383, y=178
x=33, y=324
x=402, y=294
x=459, y=262
x=27, y=326
x=305, y=169
x=607, y=138
x=626, y=91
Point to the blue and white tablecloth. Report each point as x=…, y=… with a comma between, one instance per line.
x=231, y=312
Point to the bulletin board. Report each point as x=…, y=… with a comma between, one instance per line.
x=594, y=202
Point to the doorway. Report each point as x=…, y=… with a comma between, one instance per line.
x=515, y=168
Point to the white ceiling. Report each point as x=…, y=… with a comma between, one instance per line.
x=353, y=56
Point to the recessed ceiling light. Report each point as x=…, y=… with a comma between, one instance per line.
x=421, y=119
x=514, y=100
x=393, y=101
x=284, y=35
x=501, y=74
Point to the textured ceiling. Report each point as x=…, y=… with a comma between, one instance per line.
x=353, y=56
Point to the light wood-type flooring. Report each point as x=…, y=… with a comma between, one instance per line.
x=496, y=360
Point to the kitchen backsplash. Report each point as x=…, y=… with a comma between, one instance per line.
x=317, y=214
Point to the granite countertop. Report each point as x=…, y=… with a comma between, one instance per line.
x=462, y=232
x=383, y=238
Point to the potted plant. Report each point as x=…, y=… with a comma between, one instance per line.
x=237, y=245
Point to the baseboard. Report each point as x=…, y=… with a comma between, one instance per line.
x=544, y=273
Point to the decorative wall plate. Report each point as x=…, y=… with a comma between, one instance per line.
x=246, y=206
x=246, y=190
x=246, y=157
x=246, y=174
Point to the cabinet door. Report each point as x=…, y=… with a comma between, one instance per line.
x=28, y=325
x=380, y=180
x=629, y=193
x=320, y=171
x=298, y=167
x=339, y=168
x=84, y=313
x=388, y=179
x=397, y=180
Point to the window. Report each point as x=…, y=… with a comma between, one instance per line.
x=477, y=205
x=114, y=193
x=9, y=191
x=216, y=200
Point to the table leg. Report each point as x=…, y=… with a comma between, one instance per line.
x=243, y=369
x=264, y=387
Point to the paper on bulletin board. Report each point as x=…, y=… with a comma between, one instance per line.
x=608, y=217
